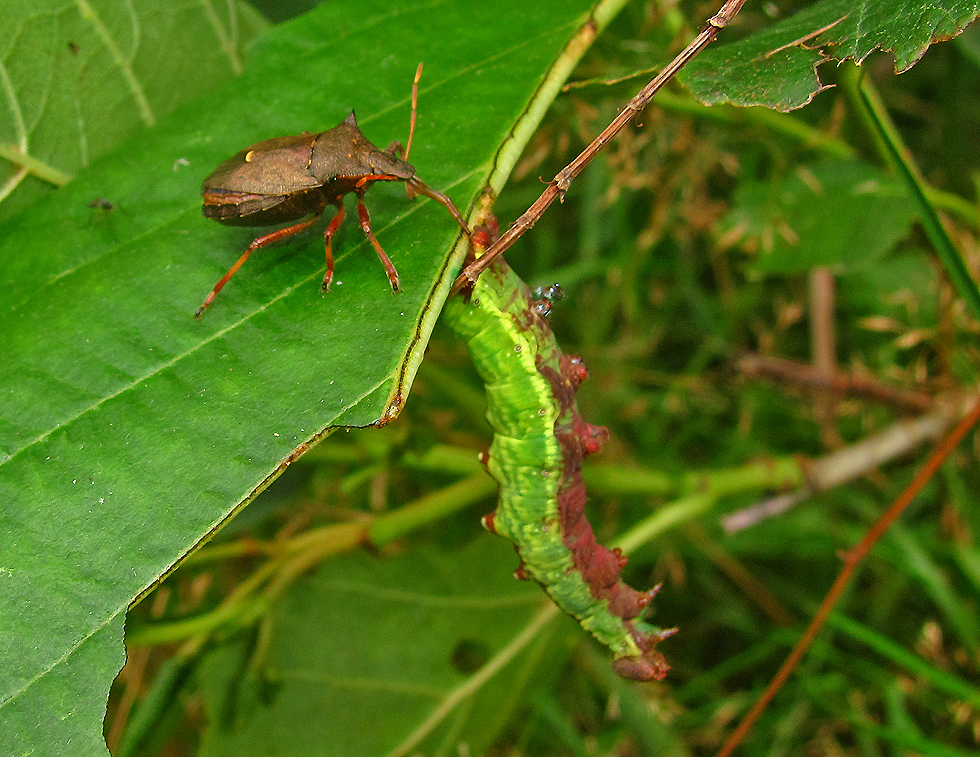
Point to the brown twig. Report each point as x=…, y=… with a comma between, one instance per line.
x=790, y=372
x=849, y=463
x=851, y=561
x=559, y=185
x=823, y=348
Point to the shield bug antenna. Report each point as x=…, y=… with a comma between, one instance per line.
x=287, y=178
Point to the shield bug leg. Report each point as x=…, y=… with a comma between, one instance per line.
x=365, y=219
x=262, y=241
x=328, y=244
x=415, y=186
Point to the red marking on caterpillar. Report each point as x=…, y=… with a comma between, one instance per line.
x=487, y=521
x=574, y=369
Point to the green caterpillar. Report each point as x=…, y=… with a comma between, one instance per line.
x=536, y=456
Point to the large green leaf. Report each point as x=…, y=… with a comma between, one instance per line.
x=129, y=430
x=78, y=77
x=380, y=642
x=777, y=67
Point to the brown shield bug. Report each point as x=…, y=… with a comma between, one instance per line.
x=286, y=178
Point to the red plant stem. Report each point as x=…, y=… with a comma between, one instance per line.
x=559, y=185
x=852, y=559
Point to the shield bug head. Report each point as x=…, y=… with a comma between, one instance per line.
x=287, y=178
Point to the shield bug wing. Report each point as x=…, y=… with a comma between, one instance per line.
x=261, y=177
x=273, y=166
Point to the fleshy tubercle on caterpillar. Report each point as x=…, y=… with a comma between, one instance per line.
x=540, y=441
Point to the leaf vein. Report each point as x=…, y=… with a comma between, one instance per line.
x=228, y=38
x=136, y=89
x=55, y=663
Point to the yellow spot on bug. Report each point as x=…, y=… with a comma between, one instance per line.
x=248, y=156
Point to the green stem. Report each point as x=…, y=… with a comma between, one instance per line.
x=890, y=142
x=474, y=683
x=228, y=613
x=427, y=509
x=777, y=473
x=304, y=552
x=33, y=165
x=681, y=511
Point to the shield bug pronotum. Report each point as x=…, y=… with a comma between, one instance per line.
x=287, y=178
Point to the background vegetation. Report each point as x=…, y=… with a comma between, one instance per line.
x=701, y=246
